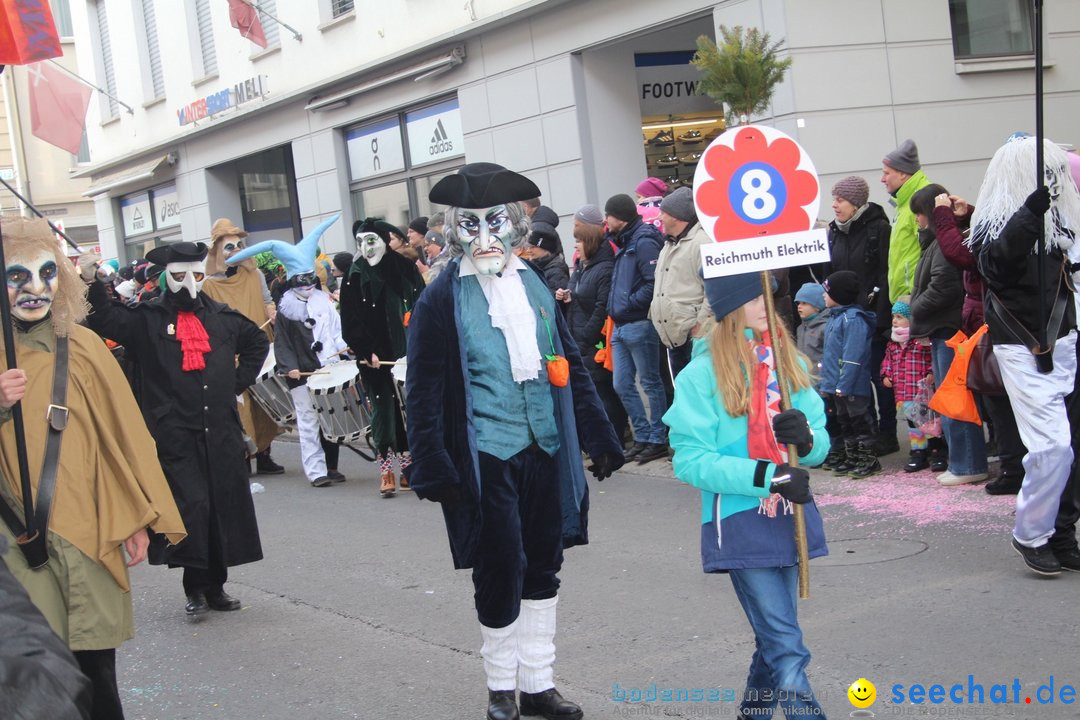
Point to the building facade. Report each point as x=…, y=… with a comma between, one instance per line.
x=360, y=107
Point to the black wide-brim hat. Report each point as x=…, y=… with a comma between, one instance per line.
x=482, y=185
x=177, y=253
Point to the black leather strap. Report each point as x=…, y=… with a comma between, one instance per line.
x=56, y=417
x=1020, y=333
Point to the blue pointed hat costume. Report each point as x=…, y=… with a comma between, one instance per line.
x=297, y=259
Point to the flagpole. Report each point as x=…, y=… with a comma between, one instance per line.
x=37, y=212
x=1040, y=182
x=295, y=33
x=89, y=84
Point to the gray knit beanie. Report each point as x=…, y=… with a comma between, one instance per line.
x=590, y=215
x=904, y=158
x=680, y=205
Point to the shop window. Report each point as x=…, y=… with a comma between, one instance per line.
x=991, y=28
x=83, y=158
x=267, y=191
x=394, y=161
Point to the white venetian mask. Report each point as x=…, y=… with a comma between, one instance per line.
x=370, y=247
x=185, y=276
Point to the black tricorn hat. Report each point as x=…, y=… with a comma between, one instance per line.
x=177, y=253
x=374, y=225
x=481, y=185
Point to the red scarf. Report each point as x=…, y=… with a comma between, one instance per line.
x=194, y=342
x=764, y=405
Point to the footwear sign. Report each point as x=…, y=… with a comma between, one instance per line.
x=757, y=194
x=435, y=133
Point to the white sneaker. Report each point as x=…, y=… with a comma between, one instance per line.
x=948, y=478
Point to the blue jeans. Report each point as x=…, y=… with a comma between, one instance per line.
x=967, y=446
x=635, y=351
x=778, y=669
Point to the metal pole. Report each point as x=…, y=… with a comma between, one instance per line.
x=16, y=409
x=89, y=84
x=295, y=33
x=801, y=548
x=37, y=212
x=1040, y=180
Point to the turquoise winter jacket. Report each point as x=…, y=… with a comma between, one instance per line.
x=711, y=454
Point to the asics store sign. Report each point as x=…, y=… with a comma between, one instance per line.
x=435, y=133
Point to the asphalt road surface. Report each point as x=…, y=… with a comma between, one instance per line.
x=356, y=612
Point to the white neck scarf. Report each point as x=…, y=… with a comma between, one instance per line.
x=512, y=313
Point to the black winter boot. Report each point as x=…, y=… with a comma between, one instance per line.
x=502, y=705
x=851, y=455
x=938, y=454
x=917, y=461
x=866, y=463
x=836, y=454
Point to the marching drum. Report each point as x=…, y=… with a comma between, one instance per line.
x=398, y=372
x=343, y=415
x=272, y=394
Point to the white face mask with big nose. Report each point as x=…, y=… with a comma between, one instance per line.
x=186, y=276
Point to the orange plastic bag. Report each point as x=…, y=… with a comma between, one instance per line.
x=953, y=399
x=558, y=370
x=603, y=355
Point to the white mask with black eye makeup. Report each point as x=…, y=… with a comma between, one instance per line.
x=31, y=285
x=370, y=247
x=486, y=237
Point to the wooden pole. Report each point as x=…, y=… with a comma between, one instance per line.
x=801, y=548
x=1045, y=343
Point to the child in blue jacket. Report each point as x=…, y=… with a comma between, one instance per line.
x=845, y=373
x=730, y=440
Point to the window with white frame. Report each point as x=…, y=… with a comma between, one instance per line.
x=61, y=12
x=271, y=29
x=205, y=27
x=104, y=62
x=991, y=28
x=340, y=7
x=153, y=74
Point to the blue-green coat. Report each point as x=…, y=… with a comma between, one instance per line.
x=711, y=454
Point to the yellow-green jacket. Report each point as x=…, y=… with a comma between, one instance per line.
x=904, y=241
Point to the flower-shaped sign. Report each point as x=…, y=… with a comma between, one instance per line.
x=757, y=188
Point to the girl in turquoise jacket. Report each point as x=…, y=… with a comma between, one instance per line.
x=730, y=440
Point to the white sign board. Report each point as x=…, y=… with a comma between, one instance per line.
x=435, y=133
x=757, y=196
x=138, y=215
x=667, y=84
x=166, y=207
x=375, y=149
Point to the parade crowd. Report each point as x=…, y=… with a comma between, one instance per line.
x=520, y=362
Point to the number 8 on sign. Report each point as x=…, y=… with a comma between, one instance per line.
x=754, y=181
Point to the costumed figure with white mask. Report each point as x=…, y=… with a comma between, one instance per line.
x=307, y=336
x=377, y=299
x=242, y=287
x=496, y=439
x=94, y=474
x=1005, y=240
x=194, y=356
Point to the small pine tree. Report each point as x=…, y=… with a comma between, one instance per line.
x=742, y=71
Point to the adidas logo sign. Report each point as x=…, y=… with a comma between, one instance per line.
x=440, y=141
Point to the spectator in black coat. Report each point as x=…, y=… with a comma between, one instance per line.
x=543, y=248
x=585, y=305
x=859, y=242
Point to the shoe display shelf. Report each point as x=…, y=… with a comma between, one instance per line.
x=672, y=153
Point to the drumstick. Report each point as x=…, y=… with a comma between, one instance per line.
x=265, y=324
x=306, y=374
x=384, y=362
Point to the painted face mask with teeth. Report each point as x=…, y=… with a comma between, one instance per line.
x=370, y=247
x=31, y=285
x=486, y=236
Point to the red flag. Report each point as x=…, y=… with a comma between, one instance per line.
x=27, y=32
x=245, y=18
x=57, y=106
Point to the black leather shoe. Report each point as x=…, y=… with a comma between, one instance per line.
x=196, y=604
x=222, y=602
x=634, y=451
x=1069, y=559
x=1040, y=559
x=652, y=451
x=1004, y=485
x=551, y=705
x=335, y=476
x=501, y=705
x=264, y=465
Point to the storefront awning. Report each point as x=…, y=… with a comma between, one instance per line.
x=137, y=173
